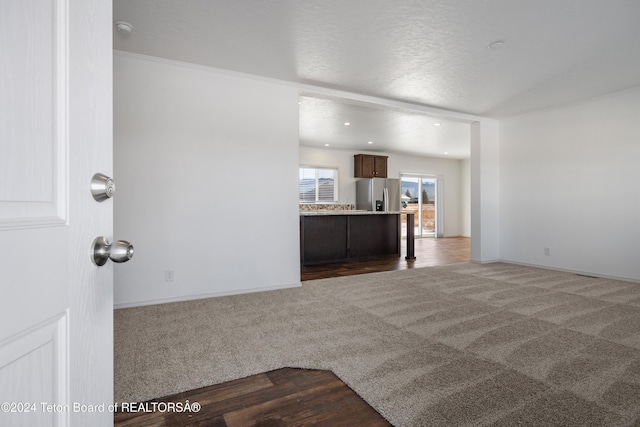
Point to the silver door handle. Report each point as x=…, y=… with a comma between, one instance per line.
x=102, y=187
x=102, y=251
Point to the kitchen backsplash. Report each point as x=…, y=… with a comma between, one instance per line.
x=307, y=207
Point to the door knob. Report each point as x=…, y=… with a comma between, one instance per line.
x=102, y=250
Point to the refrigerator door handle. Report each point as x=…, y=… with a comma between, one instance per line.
x=385, y=198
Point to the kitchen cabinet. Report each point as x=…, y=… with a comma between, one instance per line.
x=374, y=236
x=340, y=238
x=370, y=166
x=323, y=238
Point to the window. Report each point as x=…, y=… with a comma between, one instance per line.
x=318, y=185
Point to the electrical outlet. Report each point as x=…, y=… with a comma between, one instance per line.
x=168, y=275
x=547, y=251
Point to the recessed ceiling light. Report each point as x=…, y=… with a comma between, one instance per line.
x=436, y=124
x=326, y=145
x=347, y=123
x=496, y=45
x=370, y=142
x=446, y=152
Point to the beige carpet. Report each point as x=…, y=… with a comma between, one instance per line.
x=464, y=344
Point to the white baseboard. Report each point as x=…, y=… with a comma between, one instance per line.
x=490, y=261
x=566, y=270
x=203, y=296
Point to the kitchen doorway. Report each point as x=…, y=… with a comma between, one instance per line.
x=420, y=196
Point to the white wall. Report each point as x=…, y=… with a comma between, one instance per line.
x=569, y=182
x=205, y=164
x=449, y=169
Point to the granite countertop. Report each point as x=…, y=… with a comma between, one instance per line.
x=348, y=212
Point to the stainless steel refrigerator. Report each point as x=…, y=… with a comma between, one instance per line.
x=378, y=194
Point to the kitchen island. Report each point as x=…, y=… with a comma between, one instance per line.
x=339, y=236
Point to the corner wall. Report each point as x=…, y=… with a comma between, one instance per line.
x=465, y=196
x=205, y=164
x=484, y=170
x=569, y=182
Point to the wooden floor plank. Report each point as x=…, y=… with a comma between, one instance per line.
x=294, y=397
x=225, y=391
x=323, y=403
x=248, y=399
x=429, y=252
x=305, y=379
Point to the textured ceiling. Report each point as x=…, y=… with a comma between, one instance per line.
x=388, y=129
x=426, y=52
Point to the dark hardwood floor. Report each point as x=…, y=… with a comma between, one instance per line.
x=285, y=397
x=295, y=397
x=429, y=252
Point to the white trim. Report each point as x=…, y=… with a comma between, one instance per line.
x=203, y=296
x=491, y=261
x=560, y=269
x=439, y=229
x=63, y=351
x=62, y=110
x=35, y=222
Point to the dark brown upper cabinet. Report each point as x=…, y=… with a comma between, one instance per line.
x=370, y=166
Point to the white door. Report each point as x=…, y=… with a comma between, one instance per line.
x=56, y=307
